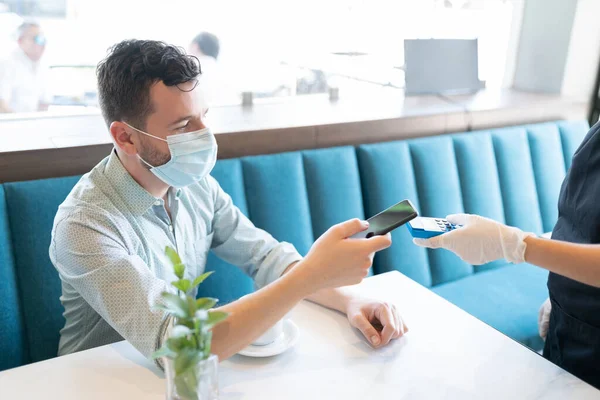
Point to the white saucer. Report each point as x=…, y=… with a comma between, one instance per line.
x=288, y=338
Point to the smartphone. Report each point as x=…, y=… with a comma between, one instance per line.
x=388, y=220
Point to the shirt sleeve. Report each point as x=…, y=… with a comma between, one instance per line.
x=237, y=241
x=45, y=92
x=5, y=81
x=90, y=256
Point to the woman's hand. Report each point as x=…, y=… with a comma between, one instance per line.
x=480, y=240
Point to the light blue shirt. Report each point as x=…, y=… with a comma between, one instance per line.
x=108, y=245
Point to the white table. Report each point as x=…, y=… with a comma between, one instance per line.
x=447, y=354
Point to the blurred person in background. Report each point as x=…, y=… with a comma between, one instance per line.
x=205, y=47
x=23, y=79
x=215, y=88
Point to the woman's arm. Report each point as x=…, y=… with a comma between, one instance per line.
x=481, y=240
x=580, y=262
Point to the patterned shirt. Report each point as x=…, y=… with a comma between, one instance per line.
x=108, y=245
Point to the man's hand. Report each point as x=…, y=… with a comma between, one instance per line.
x=334, y=260
x=379, y=322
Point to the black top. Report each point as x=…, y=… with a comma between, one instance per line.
x=579, y=222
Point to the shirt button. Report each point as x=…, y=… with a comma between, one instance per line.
x=171, y=228
x=157, y=203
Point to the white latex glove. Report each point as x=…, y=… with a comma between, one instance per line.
x=544, y=318
x=480, y=240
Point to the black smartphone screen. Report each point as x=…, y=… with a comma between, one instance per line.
x=390, y=219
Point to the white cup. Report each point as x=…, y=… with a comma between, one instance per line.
x=271, y=335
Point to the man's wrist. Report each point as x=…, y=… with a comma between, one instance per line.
x=298, y=276
x=336, y=299
x=344, y=299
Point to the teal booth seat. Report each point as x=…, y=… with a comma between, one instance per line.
x=13, y=344
x=511, y=174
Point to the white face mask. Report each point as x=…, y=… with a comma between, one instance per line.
x=193, y=156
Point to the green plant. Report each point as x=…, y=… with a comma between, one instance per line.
x=190, y=339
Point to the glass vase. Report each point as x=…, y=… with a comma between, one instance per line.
x=200, y=382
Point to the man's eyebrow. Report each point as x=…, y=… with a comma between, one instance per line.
x=187, y=117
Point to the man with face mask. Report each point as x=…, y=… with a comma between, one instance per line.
x=23, y=80
x=155, y=190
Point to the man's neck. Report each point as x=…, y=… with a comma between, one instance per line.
x=143, y=176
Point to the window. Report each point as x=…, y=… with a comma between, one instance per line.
x=271, y=48
x=36, y=8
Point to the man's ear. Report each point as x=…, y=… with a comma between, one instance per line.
x=122, y=137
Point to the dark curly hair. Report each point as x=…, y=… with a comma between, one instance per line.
x=131, y=68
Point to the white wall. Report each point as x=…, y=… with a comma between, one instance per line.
x=558, y=48
x=583, y=57
x=544, y=45
x=513, y=43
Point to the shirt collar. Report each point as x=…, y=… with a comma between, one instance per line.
x=138, y=199
x=20, y=55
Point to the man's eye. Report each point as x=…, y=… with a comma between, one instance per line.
x=181, y=128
